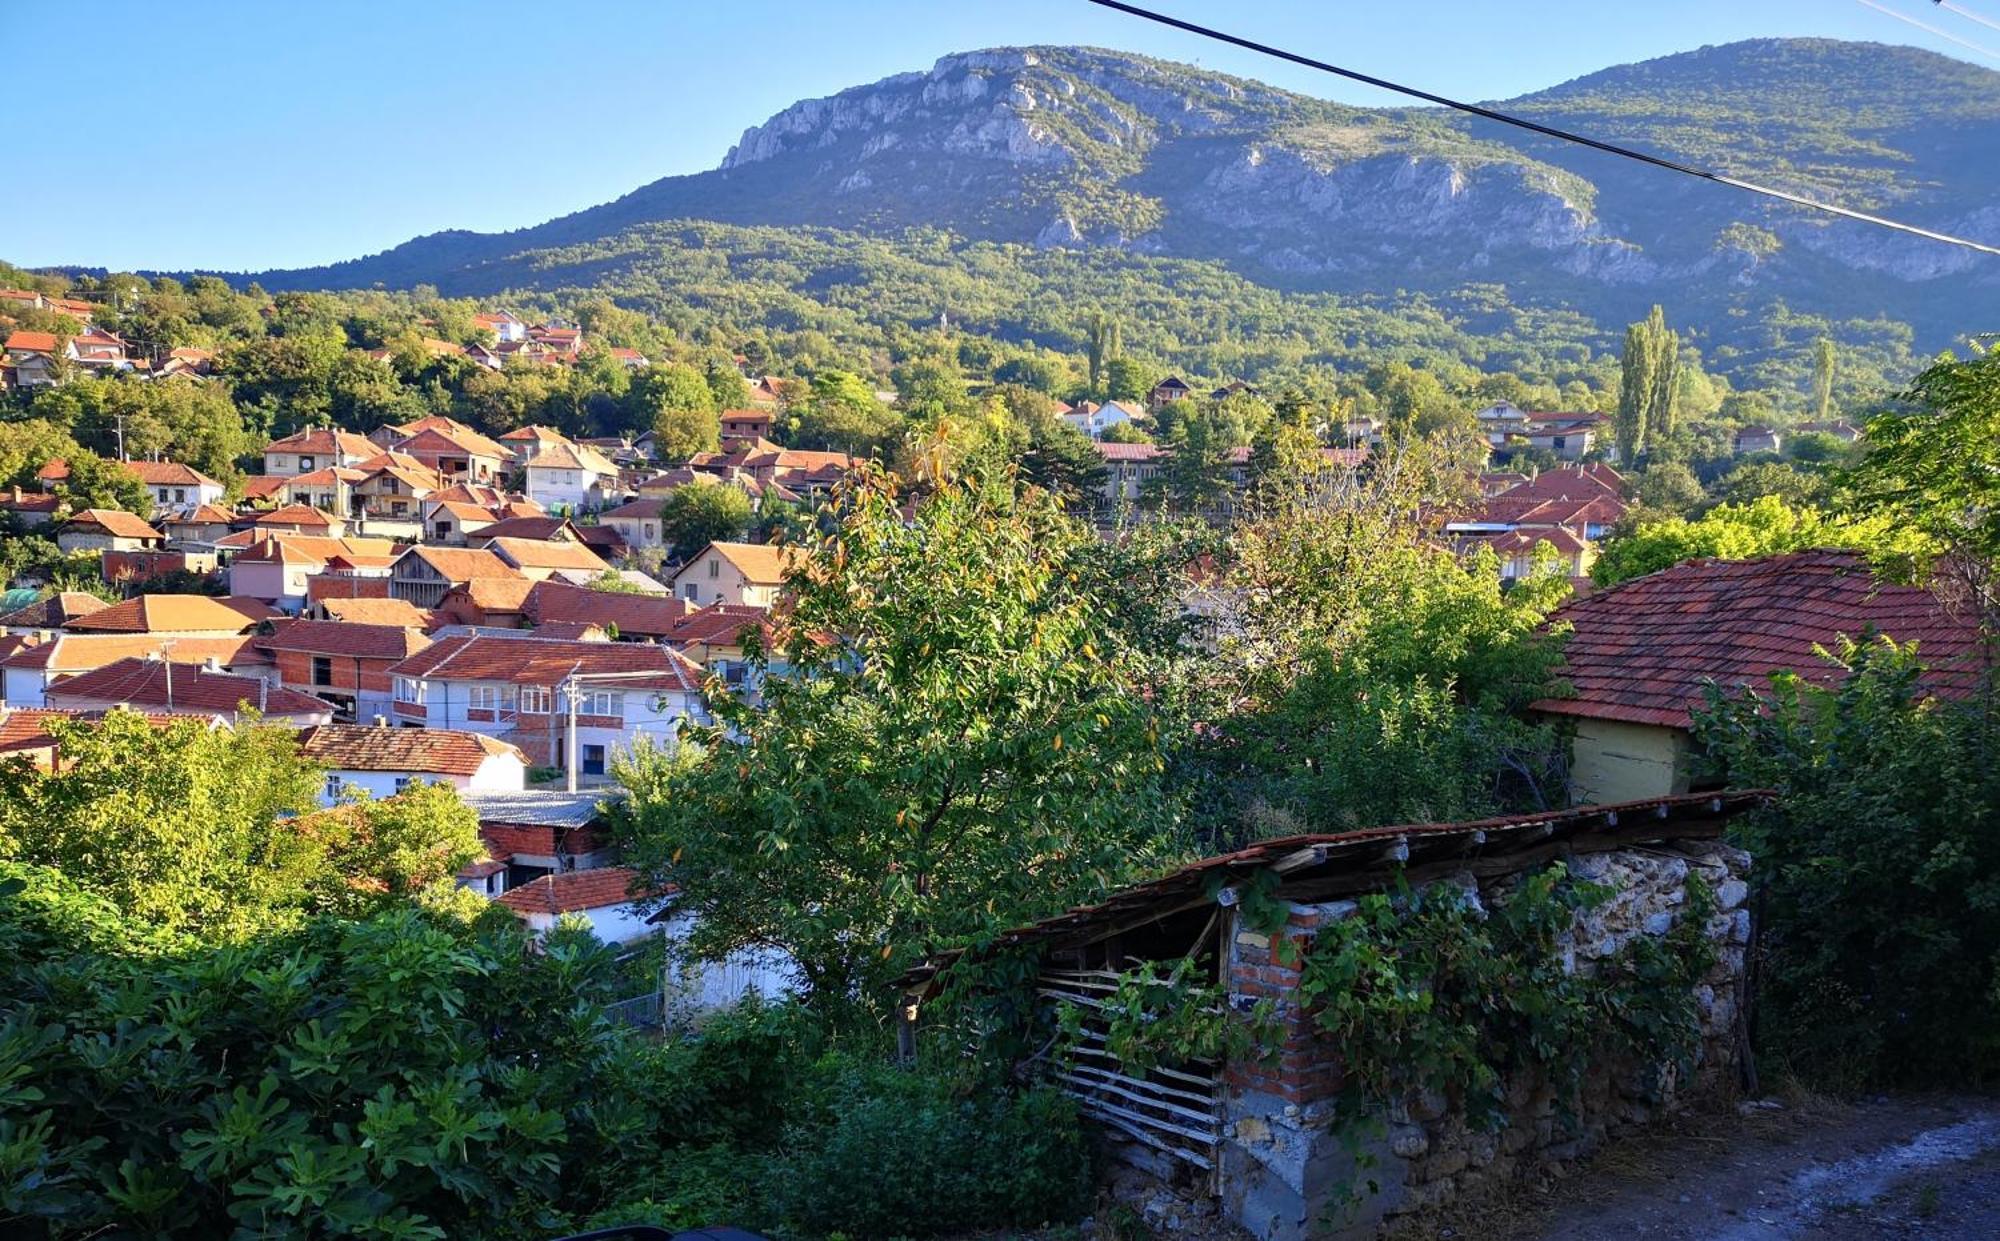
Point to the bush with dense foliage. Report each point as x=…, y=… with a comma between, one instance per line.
x=1878, y=870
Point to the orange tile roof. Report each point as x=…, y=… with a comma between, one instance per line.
x=540, y=526
x=116, y=522
x=569, y=891
x=457, y=437
x=32, y=342
x=201, y=515
x=571, y=456
x=536, y=433
x=173, y=614
x=158, y=685
x=294, y=515
x=462, y=564
x=1643, y=650
x=495, y=594
x=263, y=486
x=721, y=623
x=323, y=440
x=430, y=751
x=76, y=652
x=761, y=563
x=539, y=554
x=169, y=474
x=399, y=612
x=533, y=661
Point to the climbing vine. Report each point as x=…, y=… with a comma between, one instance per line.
x=1426, y=990
x=1163, y=1016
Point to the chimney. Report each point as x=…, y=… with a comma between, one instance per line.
x=381, y=721
x=211, y=664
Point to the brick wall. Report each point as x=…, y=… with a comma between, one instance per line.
x=295, y=669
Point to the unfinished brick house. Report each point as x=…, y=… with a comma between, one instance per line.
x=1255, y=1140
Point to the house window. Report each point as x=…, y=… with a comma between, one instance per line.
x=593, y=760
x=692, y=593
x=305, y=463
x=333, y=786
x=714, y=569
x=602, y=702
x=409, y=689
x=322, y=670
x=398, y=508
x=180, y=495
x=490, y=697
x=535, y=700
x=444, y=530
x=403, y=783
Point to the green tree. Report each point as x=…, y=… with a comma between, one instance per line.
x=960, y=745
x=96, y=482
x=1649, y=385
x=1669, y=488
x=1194, y=477
x=1063, y=461
x=930, y=387
x=1102, y=344
x=675, y=402
x=841, y=413
x=700, y=513
x=1126, y=380
x=1763, y=527
x=1823, y=358
x=1885, y=812
x=188, y=829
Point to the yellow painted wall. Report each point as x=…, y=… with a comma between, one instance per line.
x=1612, y=761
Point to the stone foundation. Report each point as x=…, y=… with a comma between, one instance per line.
x=1284, y=1173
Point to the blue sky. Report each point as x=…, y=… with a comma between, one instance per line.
x=254, y=135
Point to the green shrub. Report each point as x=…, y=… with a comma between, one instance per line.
x=890, y=1152
x=1878, y=869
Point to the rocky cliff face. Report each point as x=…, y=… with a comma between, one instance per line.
x=1079, y=148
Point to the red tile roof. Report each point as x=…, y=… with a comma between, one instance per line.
x=570, y=891
x=538, y=554
x=294, y=515
x=53, y=611
x=170, y=474
x=532, y=661
x=399, y=612
x=1642, y=651
x=462, y=564
x=157, y=685
x=32, y=342
x=539, y=527
x=346, y=638
x=432, y=751
x=323, y=440
x=650, y=616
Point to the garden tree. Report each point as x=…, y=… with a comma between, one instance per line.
x=726, y=385
x=1818, y=448
x=676, y=404
x=1822, y=377
x=930, y=387
x=1285, y=461
x=1669, y=488
x=1037, y=371
x=780, y=521
x=1763, y=527
x=703, y=512
x=1935, y=470
x=187, y=828
x=505, y=400
x=1102, y=344
x=1786, y=480
x=28, y=445
x=1649, y=384
x=1125, y=433
x=841, y=413
x=1063, y=461
x=1194, y=476
x=1126, y=380
x=961, y=746
x=194, y=424
x=290, y=375
x=1376, y=675
x=1885, y=811
x=99, y=482
x=1410, y=401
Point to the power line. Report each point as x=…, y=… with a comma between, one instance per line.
x=1926, y=26
x=1968, y=13
x=1545, y=130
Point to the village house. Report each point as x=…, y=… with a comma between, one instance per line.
x=25, y=733
x=746, y=424
x=1641, y=654
x=637, y=522
x=282, y=569
x=750, y=574
x=525, y=443
x=570, y=478
x=107, y=530
x=1253, y=1137
x=199, y=528
x=299, y=519
x=1094, y=420
x=175, y=487
x=30, y=508
x=27, y=673
x=1758, y=439
x=315, y=448
x=365, y=611
x=505, y=327
x=1167, y=391
x=487, y=603
x=342, y=663
x=514, y=688
x=1128, y=468
x=603, y=896
x=200, y=616
x=536, y=559
x=382, y=761
x=52, y=611
x=423, y=574
x=172, y=688
x=450, y=448
x=454, y=522
x=627, y=617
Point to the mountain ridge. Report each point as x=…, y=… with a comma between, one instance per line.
x=1087, y=148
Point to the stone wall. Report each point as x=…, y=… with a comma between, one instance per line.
x=1284, y=1171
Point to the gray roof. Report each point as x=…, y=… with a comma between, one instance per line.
x=540, y=807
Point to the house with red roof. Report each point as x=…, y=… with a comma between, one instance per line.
x=382, y=760
x=570, y=478
x=346, y=664
x=518, y=688
x=107, y=530
x=1641, y=654
x=165, y=687
x=315, y=448
x=424, y=574
x=746, y=574
x=28, y=671
x=452, y=449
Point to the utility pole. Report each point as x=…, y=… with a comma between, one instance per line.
x=121, y=436
x=569, y=729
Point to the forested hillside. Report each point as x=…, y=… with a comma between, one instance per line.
x=1240, y=228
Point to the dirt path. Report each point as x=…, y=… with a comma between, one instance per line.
x=1891, y=1168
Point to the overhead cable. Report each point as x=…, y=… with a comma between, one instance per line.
x=1545, y=130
